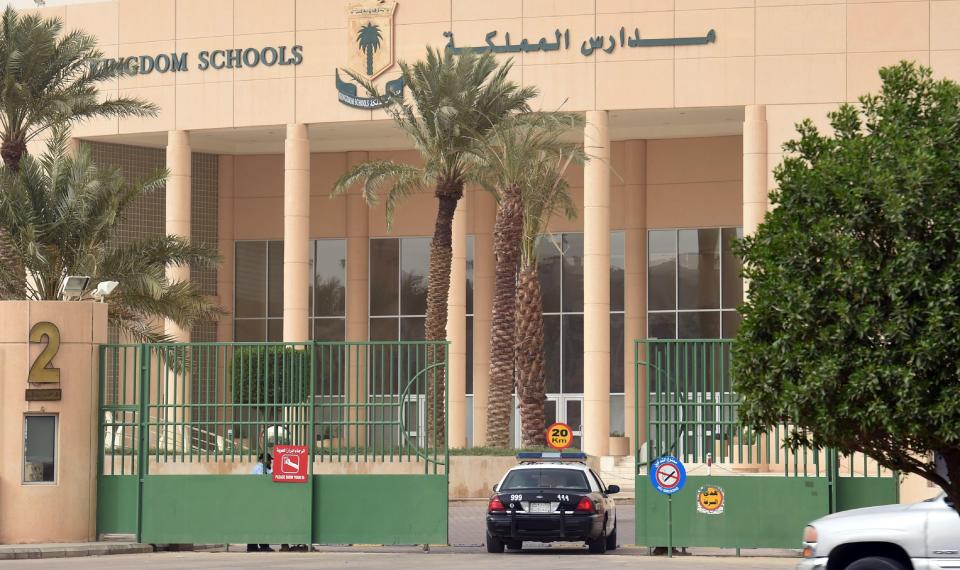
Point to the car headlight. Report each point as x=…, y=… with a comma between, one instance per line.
x=809, y=541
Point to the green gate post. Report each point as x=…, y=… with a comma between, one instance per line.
x=312, y=436
x=833, y=474
x=143, y=421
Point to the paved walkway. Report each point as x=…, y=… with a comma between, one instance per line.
x=68, y=550
x=443, y=558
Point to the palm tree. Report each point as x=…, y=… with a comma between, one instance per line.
x=455, y=101
x=61, y=213
x=507, y=158
x=544, y=196
x=48, y=79
x=369, y=39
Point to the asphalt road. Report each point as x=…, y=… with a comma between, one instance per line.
x=459, y=558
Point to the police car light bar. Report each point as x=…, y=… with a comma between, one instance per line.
x=550, y=456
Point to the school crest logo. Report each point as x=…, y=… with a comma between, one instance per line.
x=370, y=35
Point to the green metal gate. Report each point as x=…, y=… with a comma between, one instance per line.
x=770, y=492
x=182, y=426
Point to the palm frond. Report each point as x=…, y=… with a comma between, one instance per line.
x=50, y=78
x=61, y=213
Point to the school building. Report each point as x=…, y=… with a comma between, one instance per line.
x=687, y=104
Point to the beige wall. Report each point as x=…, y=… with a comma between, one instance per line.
x=801, y=52
x=692, y=182
x=64, y=511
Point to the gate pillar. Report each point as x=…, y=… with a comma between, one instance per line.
x=48, y=420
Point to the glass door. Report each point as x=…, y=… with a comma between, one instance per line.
x=558, y=408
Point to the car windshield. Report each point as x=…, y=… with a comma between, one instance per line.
x=572, y=479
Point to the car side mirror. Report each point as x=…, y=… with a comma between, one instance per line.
x=612, y=489
x=495, y=485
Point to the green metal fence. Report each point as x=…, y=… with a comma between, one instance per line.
x=182, y=426
x=685, y=389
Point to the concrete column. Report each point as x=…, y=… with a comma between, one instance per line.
x=755, y=175
x=635, y=283
x=485, y=212
x=296, y=234
x=178, y=210
x=596, y=285
x=358, y=259
x=755, y=169
x=357, y=301
x=457, y=331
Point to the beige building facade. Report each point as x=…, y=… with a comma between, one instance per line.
x=687, y=104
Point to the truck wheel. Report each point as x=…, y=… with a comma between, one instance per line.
x=876, y=563
x=612, y=539
x=494, y=544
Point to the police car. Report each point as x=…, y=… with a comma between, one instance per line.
x=552, y=497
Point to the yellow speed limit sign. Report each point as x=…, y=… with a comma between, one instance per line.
x=559, y=436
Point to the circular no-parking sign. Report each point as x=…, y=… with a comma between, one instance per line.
x=667, y=475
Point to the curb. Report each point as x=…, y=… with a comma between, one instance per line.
x=26, y=552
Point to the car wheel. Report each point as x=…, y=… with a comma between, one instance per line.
x=612, y=539
x=494, y=544
x=876, y=563
x=599, y=544
x=515, y=545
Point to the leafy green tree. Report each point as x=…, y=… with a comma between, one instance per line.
x=61, y=212
x=49, y=78
x=368, y=39
x=512, y=159
x=851, y=331
x=454, y=101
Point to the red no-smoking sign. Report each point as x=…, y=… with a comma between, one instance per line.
x=668, y=476
x=290, y=464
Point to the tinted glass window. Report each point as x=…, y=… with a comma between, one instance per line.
x=414, y=266
x=698, y=271
x=329, y=279
x=384, y=267
x=546, y=479
x=618, y=268
x=731, y=264
x=39, y=449
x=548, y=266
x=572, y=273
x=662, y=270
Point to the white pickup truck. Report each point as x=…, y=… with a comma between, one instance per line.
x=921, y=536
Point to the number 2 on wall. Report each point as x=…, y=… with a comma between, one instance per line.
x=43, y=370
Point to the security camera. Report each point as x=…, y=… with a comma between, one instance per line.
x=104, y=289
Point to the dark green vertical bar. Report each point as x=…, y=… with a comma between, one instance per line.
x=142, y=465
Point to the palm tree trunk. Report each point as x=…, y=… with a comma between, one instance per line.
x=507, y=232
x=438, y=290
x=369, y=61
x=11, y=151
x=531, y=376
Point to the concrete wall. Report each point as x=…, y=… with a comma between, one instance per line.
x=63, y=511
x=693, y=182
